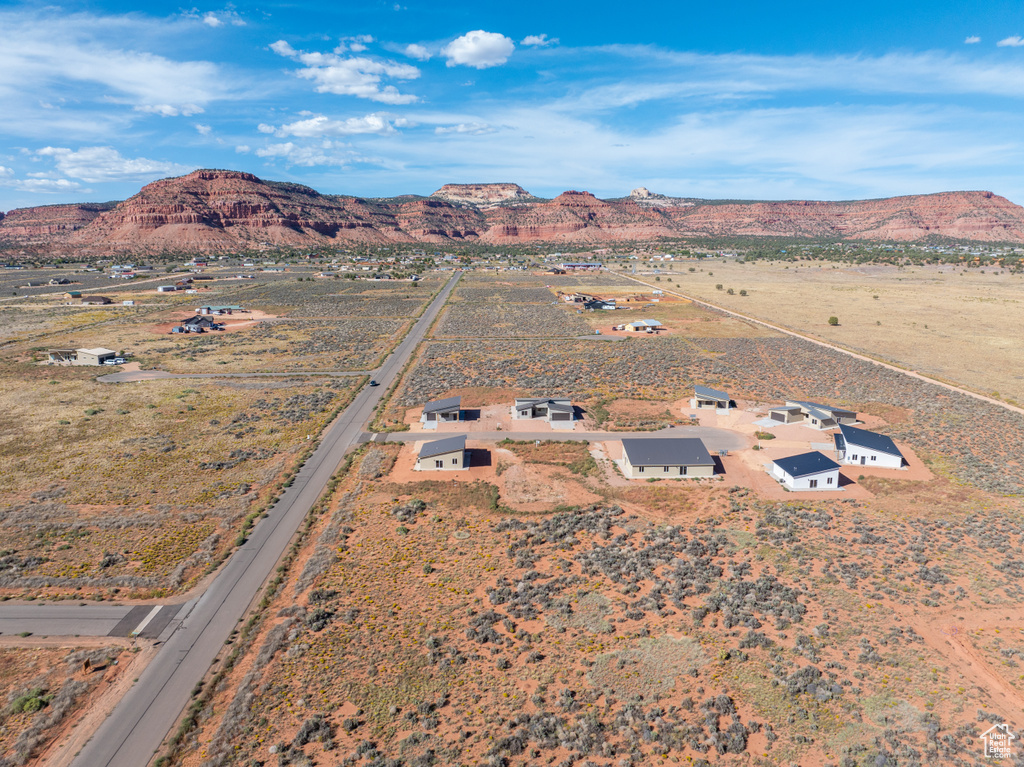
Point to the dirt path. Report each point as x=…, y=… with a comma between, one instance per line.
x=77, y=730
x=953, y=642
x=833, y=347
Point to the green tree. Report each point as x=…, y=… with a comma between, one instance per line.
x=833, y=321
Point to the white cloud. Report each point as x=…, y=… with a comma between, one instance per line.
x=479, y=49
x=972, y=39
x=1014, y=41
x=416, y=51
x=203, y=129
x=243, y=149
x=539, y=40
x=101, y=60
x=358, y=76
x=320, y=126
x=473, y=129
x=103, y=163
x=5, y=172
x=168, y=110
x=326, y=153
x=282, y=48
x=210, y=19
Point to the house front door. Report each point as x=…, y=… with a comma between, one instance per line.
x=863, y=459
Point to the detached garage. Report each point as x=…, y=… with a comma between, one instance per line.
x=443, y=455
x=661, y=458
x=807, y=471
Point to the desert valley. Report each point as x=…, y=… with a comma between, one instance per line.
x=482, y=478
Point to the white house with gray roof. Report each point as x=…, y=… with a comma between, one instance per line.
x=557, y=411
x=860, y=447
x=666, y=457
x=807, y=471
x=443, y=455
x=448, y=410
x=704, y=397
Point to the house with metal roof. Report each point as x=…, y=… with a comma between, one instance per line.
x=557, y=411
x=447, y=454
x=96, y=356
x=664, y=457
x=812, y=414
x=643, y=326
x=807, y=471
x=446, y=410
x=703, y=397
x=860, y=447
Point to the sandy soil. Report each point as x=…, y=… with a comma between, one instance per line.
x=232, y=322
x=76, y=731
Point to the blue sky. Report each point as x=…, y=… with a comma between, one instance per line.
x=727, y=99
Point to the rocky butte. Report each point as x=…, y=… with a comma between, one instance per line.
x=222, y=211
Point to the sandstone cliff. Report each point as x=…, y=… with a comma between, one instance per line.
x=482, y=194
x=213, y=210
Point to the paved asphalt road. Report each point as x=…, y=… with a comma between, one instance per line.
x=137, y=726
x=39, y=619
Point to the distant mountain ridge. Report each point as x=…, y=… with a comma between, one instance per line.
x=222, y=211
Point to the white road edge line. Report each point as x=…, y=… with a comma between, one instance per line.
x=145, y=621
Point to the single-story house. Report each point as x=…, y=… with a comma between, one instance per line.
x=642, y=326
x=219, y=309
x=551, y=409
x=704, y=397
x=807, y=471
x=661, y=457
x=860, y=447
x=554, y=270
x=443, y=454
x=63, y=355
x=812, y=414
x=94, y=356
x=200, y=322
x=73, y=294
x=60, y=281
x=599, y=305
x=96, y=300
x=167, y=289
x=128, y=302
x=441, y=411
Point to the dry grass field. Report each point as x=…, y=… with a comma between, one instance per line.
x=957, y=324
x=138, y=488
x=427, y=624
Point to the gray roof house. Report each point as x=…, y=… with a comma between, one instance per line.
x=447, y=454
x=807, y=471
x=441, y=411
x=704, y=397
x=860, y=447
x=558, y=411
x=663, y=457
x=812, y=414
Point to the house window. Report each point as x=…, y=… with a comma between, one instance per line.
x=828, y=481
x=665, y=469
x=682, y=470
x=874, y=458
x=640, y=469
x=439, y=463
x=853, y=457
x=814, y=483
x=455, y=461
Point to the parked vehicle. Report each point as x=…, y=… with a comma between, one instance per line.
x=373, y=383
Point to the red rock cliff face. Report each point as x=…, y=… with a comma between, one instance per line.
x=49, y=222
x=210, y=211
